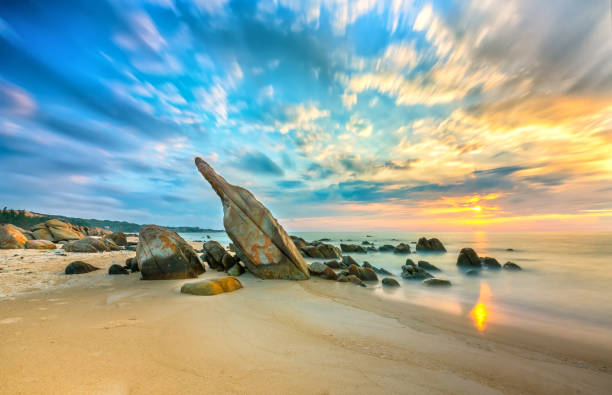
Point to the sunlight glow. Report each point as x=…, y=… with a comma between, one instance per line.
x=480, y=313
x=477, y=208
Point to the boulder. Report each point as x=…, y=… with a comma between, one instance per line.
x=437, y=282
x=428, y=266
x=402, y=248
x=79, y=267
x=212, y=287
x=432, y=245
x=490, y=263
x=317, y=249
x=390, y=282
x=268, y=250
x=353, y=279
x=364, y=273
x=386, y=248
x=40, y=245
x=55, y=230
x=512, y=266
x=377, y=269
x=110, y=245
x=132, y=264
x=28, y=234
x=353, y=248
x=468, y=259
x=311, y=251
x=11, y=237
x=163, y=254
x=97, y=231
x=236, y=270
x=412, y=272
x=329, y=274
x=348, y=260
x=116, y=269
x=86, y=244
x=334, y=264
x=298, y=241
x=228, y=261
x=410, y=262
x=318, y=268
x=213, y=254
x=118, y=238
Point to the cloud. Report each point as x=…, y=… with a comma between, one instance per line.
x=258, y=163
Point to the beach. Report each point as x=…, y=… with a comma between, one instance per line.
x=96, y=333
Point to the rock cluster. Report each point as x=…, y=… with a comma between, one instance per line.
x=431, y=245
x=410, y=271
x=318, y=249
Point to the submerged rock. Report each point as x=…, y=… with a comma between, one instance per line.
x=413, y=272
x=512, y=266
x=390, y=282
x=268, y=250
x=162, y=254
x=468, y=258
x=79, y=267
x=428, y=266
x=433, y=245
x=212, y=287
x=491, y=263
x=472, y=273
x=116, y=269
x=386, y=248
x=437, y=282
x=402, y=248
x=11, y=237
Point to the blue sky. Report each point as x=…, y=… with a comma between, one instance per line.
x=441, y=115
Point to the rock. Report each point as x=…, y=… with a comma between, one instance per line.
x=55, y=230
x=402, y=248
x=510, y=249
x=329, y=274
x=163, y=254
x=354, y=279
x=39, y=245
x=437, y=282
x=512, y=266
x=79, y=267
x=231, y=247
x=386, y=248
x=343, y=279
x=212, y=287
x=468, y=258
x=86, y=244
x=132, y=264
x=353, y=248
x=412, y=272
x=267, y=249
x=390, y=282
x=428, y=266
x=317, y=249
x=377, y=270
x=335, y=264
x=491, y=263
x=432, y=245
x=410, y=262
x=97, y=231
x=116, y=269
x=213, y=254
x=364, y=273
x=236, y=270
x=311, y=251
x=318, y=268
x=28, y=234
x=367, y=243
x=298, y=241
x=110, y=245
x=118, y=238
x=228, y=261
x=348, y=260
x=472, y=272
x=11, y=237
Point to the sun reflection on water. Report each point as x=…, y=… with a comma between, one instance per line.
x=480, y=312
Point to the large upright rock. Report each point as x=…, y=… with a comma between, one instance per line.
x=11, y=237
x=266, y=249
x=163, y=255
x=468, y=258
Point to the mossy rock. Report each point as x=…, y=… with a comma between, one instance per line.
x=212, y=287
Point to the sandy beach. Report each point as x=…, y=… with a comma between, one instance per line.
x=95, y=333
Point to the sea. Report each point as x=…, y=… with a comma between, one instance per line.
x=565, y=281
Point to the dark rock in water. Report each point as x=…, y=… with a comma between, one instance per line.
x=162, y=254
x=116, y=269
x=386, y=248
x=512, y=266
x=353, y=248
x=367, y=243
x=324, y=239
x=318, y=268
x=298, y=241
x=472, y=272
x=348, y=260
x=377, y=270
x=437, y=282
x=212, y=287
x=268, y=250
x=468, y=258
x=371, y=249
x=311, y=251
x=410, y=262
x=228, y=261
x=79, y=267
x=490, y=263
x=433, y=245
x=428, y=266
x=402, y=248
x=236, y=270
x=335, y=264
x=412, y=272
x=390, y=282
x=364, y=273
x=317, y=249
x=509, y=249
x=213, y=254
x=329, y=274
x=118, y=238
x=87, y=244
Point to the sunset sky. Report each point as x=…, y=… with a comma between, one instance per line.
x=359, y=115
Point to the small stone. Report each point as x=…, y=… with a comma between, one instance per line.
x=116, y=269
x=472, y=273
x=236, y=270
x=437, y=282
x=511, y=266
x=390, y=282
x=79, y=267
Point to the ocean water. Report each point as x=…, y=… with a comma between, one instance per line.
x=566, y=281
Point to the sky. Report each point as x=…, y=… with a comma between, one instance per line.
x=411, y=115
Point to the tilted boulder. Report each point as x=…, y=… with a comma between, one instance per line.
x=11, y=237
x=55, y=230
x=162, y=255
x=265, y=248
x=213, y=254
x=432, y=244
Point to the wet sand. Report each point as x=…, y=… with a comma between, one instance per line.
x=95, y=333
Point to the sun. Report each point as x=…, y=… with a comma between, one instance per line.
x=477, y=208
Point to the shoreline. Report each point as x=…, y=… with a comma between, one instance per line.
x=119, y=334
